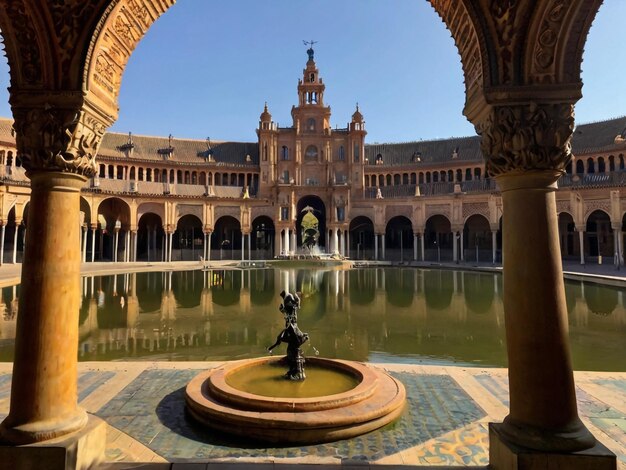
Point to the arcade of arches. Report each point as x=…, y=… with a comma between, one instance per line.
x=521, y=64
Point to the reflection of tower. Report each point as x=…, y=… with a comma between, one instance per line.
x=206, y=302
x=168, y=300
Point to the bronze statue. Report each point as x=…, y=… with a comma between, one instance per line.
x=292, y=336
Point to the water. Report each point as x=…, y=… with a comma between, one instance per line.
x=268, y=380
x=378, y=315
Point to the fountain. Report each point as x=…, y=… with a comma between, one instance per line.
x=255, y=399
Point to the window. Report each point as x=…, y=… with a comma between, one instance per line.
x=357, y=155
x=284, y=213
x=310, y=125
x=286, y=177
x=285, y=153
x=311, y=153
x=342, y=153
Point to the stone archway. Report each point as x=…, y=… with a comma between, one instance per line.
x=150, y=238
x=477, y=239
x=361, y=238
x=226, y=238
x=187, y=242
x=599, y=237
x=263, y=233
x=311, y=210
x=521, y=63
x=399, y=239
x=113, y=235
x=438, y=239
x=568, y=238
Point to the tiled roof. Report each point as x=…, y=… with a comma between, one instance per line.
x=434, y=151
x=185, y=150
x=598, y=136
x=588, y=138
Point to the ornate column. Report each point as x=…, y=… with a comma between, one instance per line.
x=134, y=242
x=249, y=247
x=83, y=238
x=382, y=241
x=243, y=246
x=423, y=246
x=335, y=246
x=494, y=246
x=208, y=249
x=527, y=147
x=415, y=247
x=57, y=136
x=292, y=243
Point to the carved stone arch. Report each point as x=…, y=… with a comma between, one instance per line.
x=151, y=207
x=121, y=27
x=476, y=208
x=599, y=205
x=267, y=211
x=398, y=211
x=362, y=212
x=556, y=39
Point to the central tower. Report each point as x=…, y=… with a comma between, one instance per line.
x=310, y=165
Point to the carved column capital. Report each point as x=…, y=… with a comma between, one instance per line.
x=527, y=137
x=57, y=132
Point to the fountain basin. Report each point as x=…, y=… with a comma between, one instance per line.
x=374, y=400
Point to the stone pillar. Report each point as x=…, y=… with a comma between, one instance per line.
x=169, y=247
x=382, y=241
x=347, y=254
x=93, y=242
x=83, y=231
x=2, y=244
x=462, y=247
x=287, y=237
x=336, y=241
x=243, y=246
x=116, y=244
x=581, y=243
x=250, y=247
x=14, y=259
x=376, y=246
x=494, y=246
x=134, y=238
x=148, y=243
x=455, y=247
x=292, y=245
x=208, y=250
x=127, y=247
x=527, y=148
x=415, y=247
x=277, y=243
x=423, y=246
x=43, y=390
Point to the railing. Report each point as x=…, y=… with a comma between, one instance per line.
x=431, y=189
x=593, y=180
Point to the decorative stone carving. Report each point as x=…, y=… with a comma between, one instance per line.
x=395, y=211
x=438, y=209
x=27, y=66
x=458, y=21
x=527, y=137
x=562, y=206
x=597, y=205
x=233, y=211
x=473, y=208
x=505, y=16
x=56, y=138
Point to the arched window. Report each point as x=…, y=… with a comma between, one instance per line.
x=140, y=173
x=103, y=171
x=179, y=177
x=396, y=180
x=405, y=178
x=450, y=176
x=310, y=125
x=284, y=153
x=342, y=153
x=621, y=162
x=381, y=180
x=413, y=178
x=477, y=173
x=580, y=167
x=311, y=153
x=428, y=177
x=435, y=177
x=194, y=178
x=132, y=173
x=468, y=175
x=591, y=167
x=459, y=176
x=110, y=176
x=388, y=180
x=601, y=166
x=421, y=178
x=442, y=175
x=611, y=163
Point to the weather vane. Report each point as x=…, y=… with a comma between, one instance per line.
x=310, y=51
x=310, y=43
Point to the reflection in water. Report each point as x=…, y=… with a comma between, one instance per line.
x=392, y=314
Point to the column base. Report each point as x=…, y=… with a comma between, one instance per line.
x=80, y=450
x=42, y=431
x=504, y=455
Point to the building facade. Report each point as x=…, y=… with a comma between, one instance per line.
x=160, y=199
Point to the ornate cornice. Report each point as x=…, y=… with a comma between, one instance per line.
x=520, y=138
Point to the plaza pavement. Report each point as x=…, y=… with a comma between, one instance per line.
x=444, y=425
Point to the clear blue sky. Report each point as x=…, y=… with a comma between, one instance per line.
x=206, y=68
